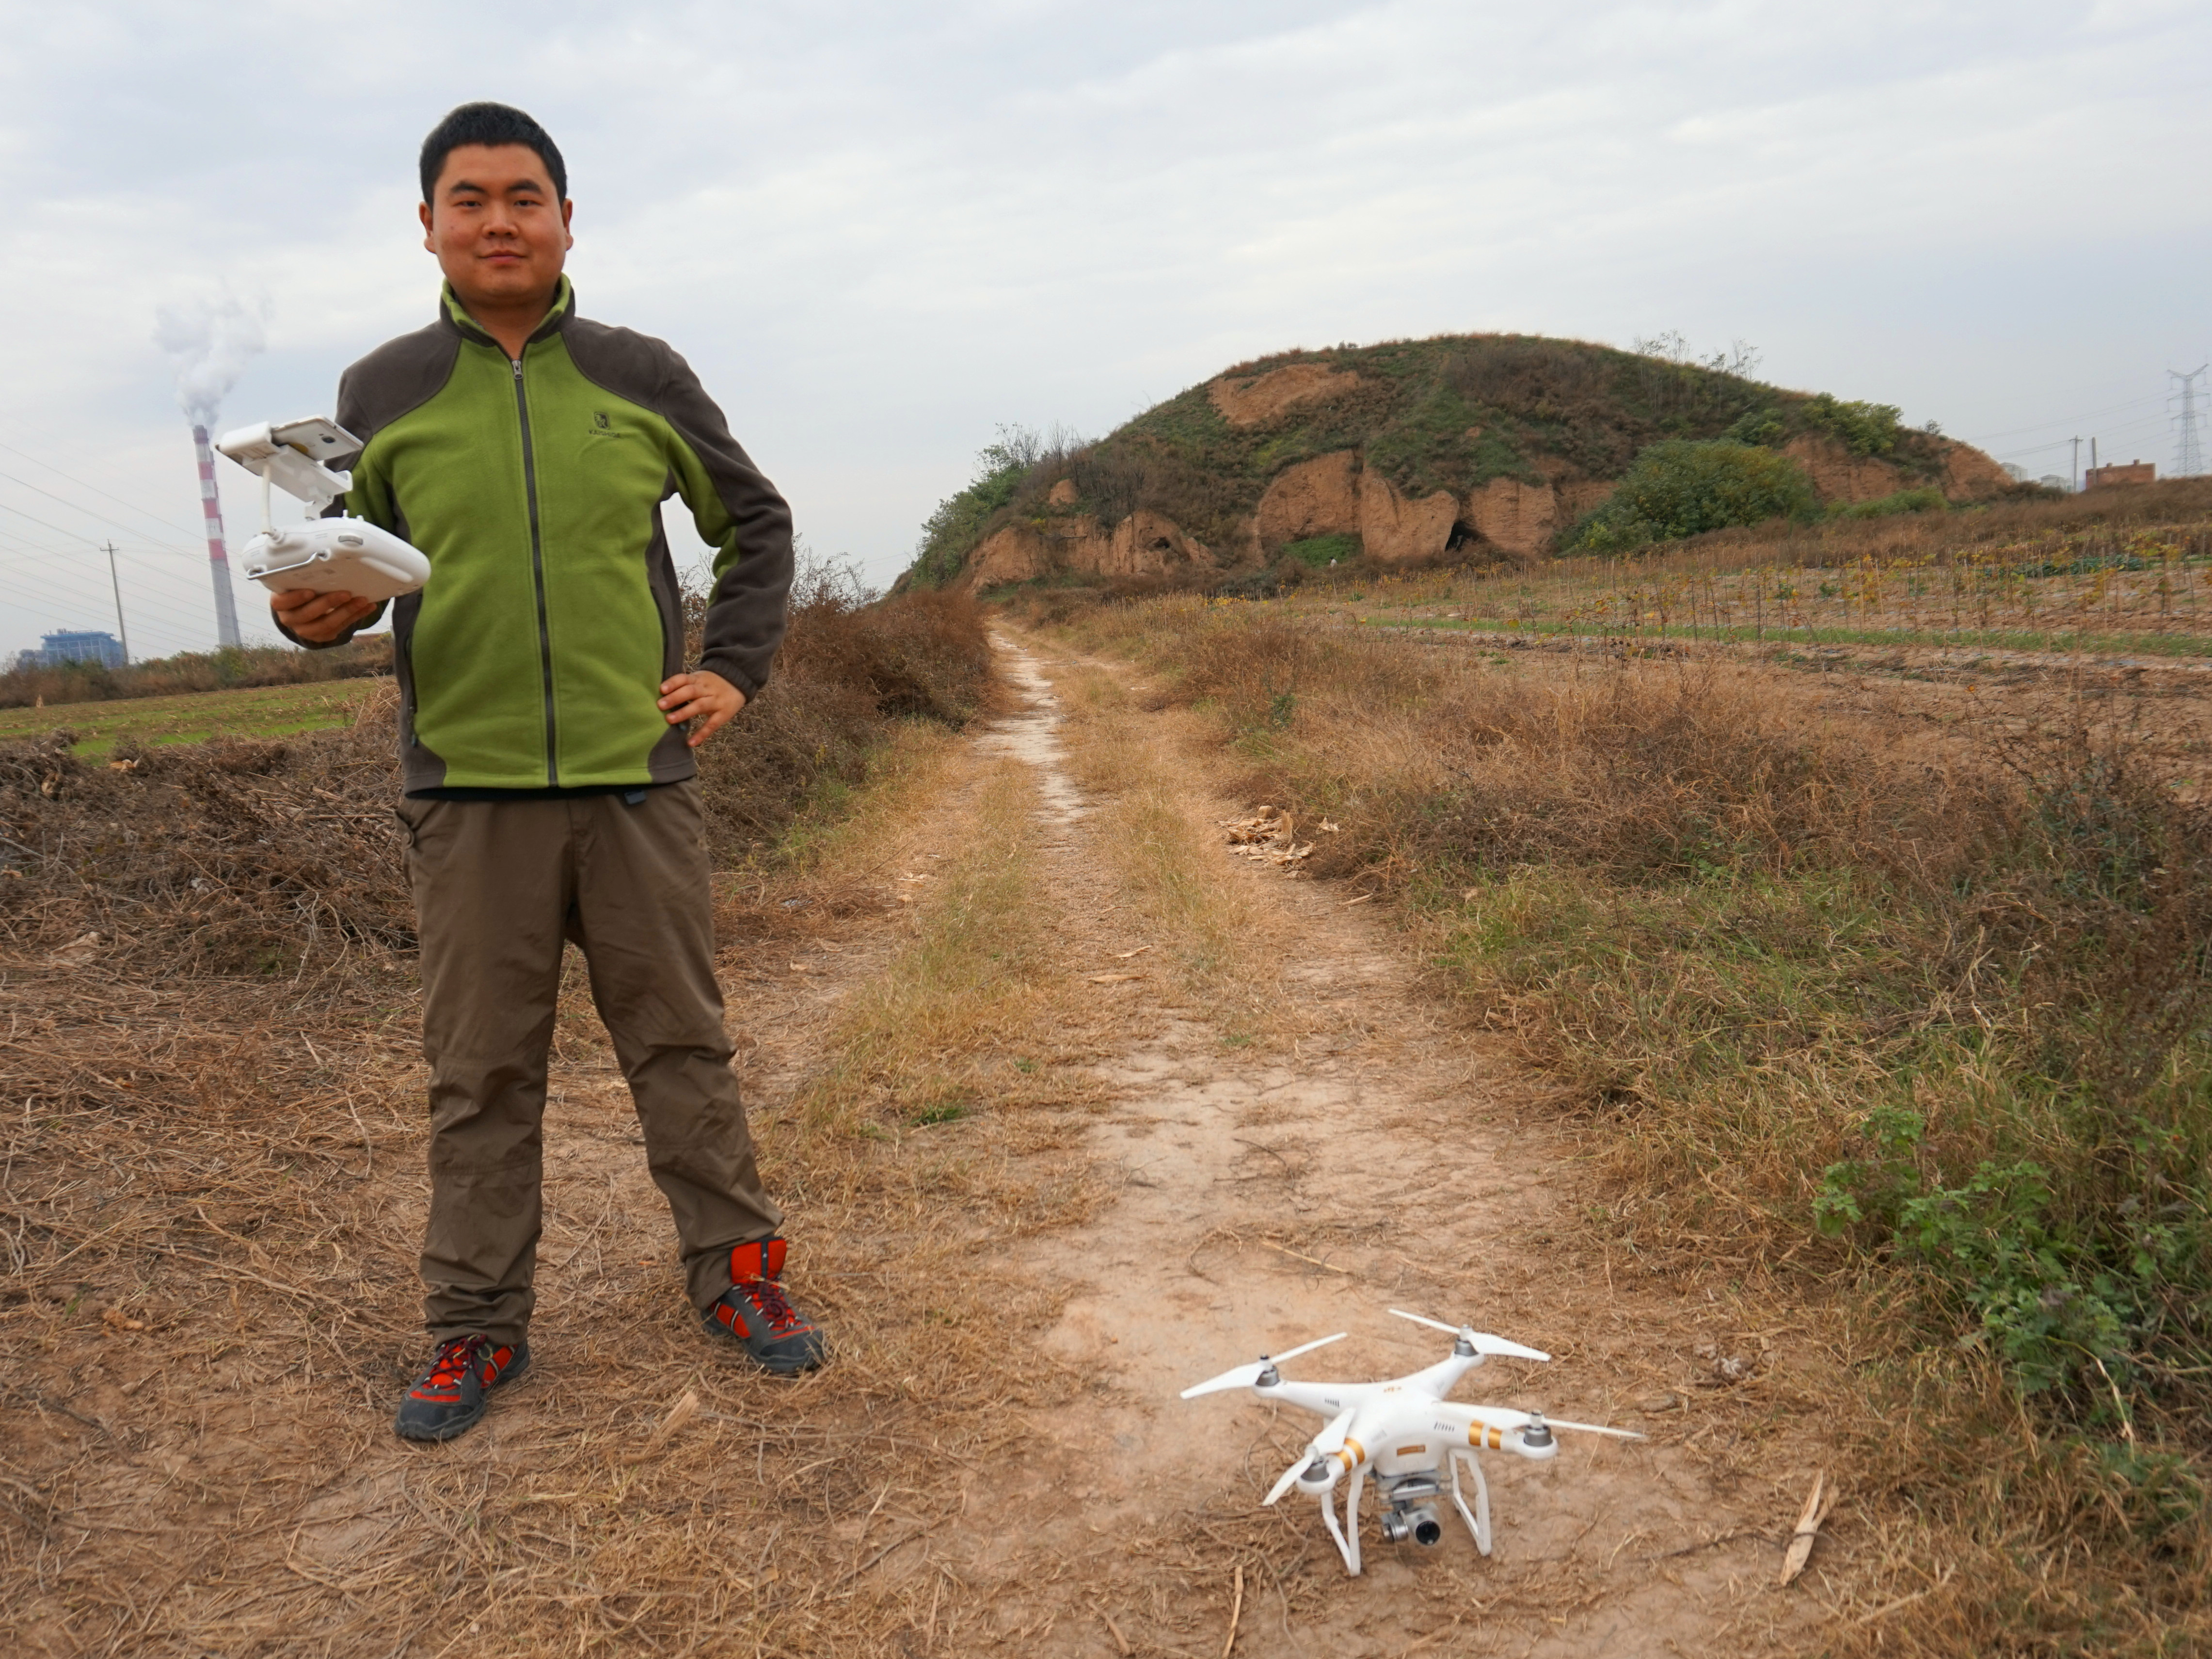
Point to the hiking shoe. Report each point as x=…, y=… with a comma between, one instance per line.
x=451, y=1394
x=753, y=1310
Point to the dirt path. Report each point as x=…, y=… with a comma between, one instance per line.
x=1351, y=1157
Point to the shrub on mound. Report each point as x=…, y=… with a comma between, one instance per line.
x=1680, y=487
x=1926, y=499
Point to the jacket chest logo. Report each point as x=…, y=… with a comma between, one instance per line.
x=603, y=425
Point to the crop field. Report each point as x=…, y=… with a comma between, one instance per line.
x=2145, y=593
x=264, y=711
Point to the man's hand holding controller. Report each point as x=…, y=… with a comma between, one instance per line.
x=320, y=617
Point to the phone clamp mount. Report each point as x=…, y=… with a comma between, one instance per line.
x=332, y=554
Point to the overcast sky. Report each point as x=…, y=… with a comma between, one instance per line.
x=879, y=230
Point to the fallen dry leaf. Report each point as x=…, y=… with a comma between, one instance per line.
x=78, y=952
x=1818, y=1502
x=116, y=1317
x=680, y=1414
x=1123, y=956
x=1112, y=979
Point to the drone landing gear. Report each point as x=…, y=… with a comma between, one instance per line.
x=1347, y=1546
x=1478, y=1520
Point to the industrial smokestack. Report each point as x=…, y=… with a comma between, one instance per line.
x=212, y=342
x=226, y=603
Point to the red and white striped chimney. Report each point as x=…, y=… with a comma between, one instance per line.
x=225, y=605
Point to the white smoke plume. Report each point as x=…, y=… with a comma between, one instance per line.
x=212, y=340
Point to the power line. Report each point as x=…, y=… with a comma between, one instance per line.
x=50, y=561
x=2065, y=420
x=2108, y=434
x=128, y=529
x=51, y=596
x=109, y=495
x=40, y=591
x=58, y=531
x=71, y=613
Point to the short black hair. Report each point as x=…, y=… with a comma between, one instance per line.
x=489, y=123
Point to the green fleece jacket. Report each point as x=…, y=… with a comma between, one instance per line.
x=533, y=659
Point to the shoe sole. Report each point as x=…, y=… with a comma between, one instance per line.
x=799, y=1370
x=455, y=1428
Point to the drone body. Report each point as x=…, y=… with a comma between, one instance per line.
x=1406, y=1435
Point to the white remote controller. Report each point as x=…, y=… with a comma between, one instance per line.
x=327, y=555
x=349, y=556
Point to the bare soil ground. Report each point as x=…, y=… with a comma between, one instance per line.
x=1194, y=1108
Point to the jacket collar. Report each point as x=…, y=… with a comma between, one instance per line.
x=454, y=315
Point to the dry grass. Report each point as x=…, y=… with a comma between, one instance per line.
x=1947, y=1000
x=1164, y=853
x=212, y=1202
x=959, y=1013
x=847, y=675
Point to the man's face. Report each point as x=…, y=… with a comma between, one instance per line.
x=499, y=235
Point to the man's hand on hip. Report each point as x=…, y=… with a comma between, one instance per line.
x=702, y=695
x=319, y=618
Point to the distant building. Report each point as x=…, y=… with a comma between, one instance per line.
x=2018, y=474
x=2135, y=472
x=103, y=649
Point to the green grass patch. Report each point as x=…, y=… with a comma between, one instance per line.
x=1319, y=552
x=266, y=711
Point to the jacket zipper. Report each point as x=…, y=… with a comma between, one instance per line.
x=537, y=578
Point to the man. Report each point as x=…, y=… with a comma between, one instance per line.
x=550, y=788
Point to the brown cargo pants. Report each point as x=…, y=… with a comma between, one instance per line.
x=499, y=887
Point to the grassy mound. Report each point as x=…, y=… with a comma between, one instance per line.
x=1454, y=413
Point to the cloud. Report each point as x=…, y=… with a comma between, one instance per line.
x=879, y=230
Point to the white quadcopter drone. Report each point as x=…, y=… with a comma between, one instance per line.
x=326, y=555
x=1405, y=1431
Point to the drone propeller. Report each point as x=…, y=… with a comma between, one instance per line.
x=1290, y=1474
x=1328, y=1440
x=1504, y=1418
x=1481, y=1341
x=1245, y=1376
